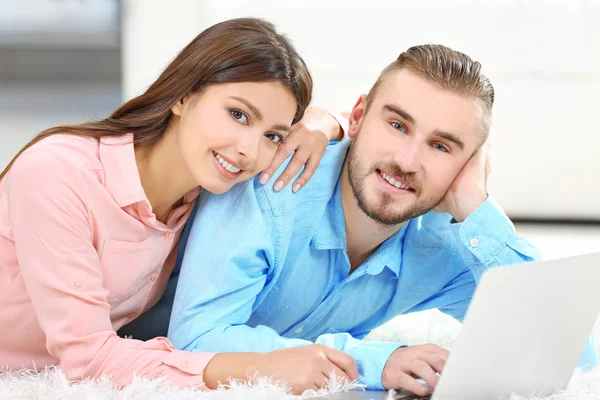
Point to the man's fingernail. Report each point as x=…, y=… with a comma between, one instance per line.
x=278, y=186
x=264, y=178
x=296, y=187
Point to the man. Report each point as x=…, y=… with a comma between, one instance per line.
x=394, y=221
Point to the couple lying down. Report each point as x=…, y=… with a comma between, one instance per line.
x=172, y=221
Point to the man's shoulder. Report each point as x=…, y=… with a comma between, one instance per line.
x=319, y=189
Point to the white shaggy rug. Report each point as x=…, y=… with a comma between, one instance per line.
x=414, y=329
x=52, y=384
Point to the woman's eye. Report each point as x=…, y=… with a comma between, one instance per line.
x=275, y=137
x=239, y=115
x=398, y=126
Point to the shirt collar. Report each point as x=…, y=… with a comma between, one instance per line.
x=121, y=175
x=122, y=180
x=389, y=254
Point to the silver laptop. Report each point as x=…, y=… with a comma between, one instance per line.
x=524, y=332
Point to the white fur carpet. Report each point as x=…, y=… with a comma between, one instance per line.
x=414, y=329
x=52, y=384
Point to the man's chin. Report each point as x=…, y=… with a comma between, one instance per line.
x=385, y=216
x=389, y=216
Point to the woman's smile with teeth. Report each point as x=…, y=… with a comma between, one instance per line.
x=226, y=165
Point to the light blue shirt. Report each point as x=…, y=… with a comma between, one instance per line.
x=264, y=270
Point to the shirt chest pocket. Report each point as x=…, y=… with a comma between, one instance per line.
x=125, y=267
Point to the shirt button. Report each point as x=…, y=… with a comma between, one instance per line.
x=474, y=242
x=184, y=364
x=154, y=277
x=132, y=315
x=168, y=234
x=299, y=330
x=78, y=283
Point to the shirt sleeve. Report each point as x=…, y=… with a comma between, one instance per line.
x=63, y=277
x=487, y=239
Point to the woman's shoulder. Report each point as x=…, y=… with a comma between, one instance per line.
x=62, y=156
x=80, y=150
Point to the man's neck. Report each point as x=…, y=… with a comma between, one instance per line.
x=363, y=235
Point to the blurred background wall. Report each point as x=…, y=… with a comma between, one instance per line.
x=60, y=62
x=65, y=61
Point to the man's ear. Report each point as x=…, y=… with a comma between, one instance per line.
x=177, y=109
x=356, y=116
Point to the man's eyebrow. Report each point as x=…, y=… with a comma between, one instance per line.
x=450, y=137
x=398, y=110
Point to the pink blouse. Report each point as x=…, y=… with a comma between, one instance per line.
x=82, y=254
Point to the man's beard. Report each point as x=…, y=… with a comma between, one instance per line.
x=383, y=212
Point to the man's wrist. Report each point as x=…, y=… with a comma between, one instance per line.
x=467, y=205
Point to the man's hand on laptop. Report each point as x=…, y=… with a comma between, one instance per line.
x=407, y=364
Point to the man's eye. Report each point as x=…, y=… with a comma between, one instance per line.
x=239, y=116
x=440, y=147
x=398, y=126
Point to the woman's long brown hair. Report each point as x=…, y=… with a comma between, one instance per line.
x=236, y=50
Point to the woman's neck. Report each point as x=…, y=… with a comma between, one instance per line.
x=164, y=176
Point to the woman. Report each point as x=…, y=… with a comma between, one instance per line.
x=91, y=214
